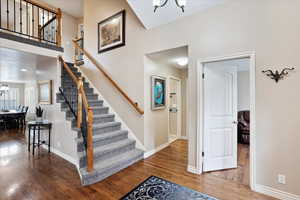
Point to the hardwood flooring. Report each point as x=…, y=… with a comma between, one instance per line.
x=242, y=173
x=47, y=176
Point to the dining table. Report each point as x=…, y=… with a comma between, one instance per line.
x=9, y=115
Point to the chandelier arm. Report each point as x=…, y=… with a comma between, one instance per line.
x=165, y=3
x=182, y=7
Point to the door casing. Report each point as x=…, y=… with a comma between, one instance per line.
x=200, y=110
x=179, y=113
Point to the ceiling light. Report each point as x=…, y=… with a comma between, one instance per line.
x=23, y=70
x=182, y=61
x=161, y=3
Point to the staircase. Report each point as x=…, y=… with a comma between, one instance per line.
x=113, y=150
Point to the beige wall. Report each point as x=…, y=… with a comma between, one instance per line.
x=156, y=122
x=268, y=27
x=243, y=80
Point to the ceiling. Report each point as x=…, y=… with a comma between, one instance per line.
x=12, y=62
x=71, y=7
x=144, y=11
x=170, y=56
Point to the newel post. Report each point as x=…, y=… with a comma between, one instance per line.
x=58, y=29
x=90, y=148
x=79, y=106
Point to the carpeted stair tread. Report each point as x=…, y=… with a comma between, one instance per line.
x=106, y=135
x=122, y=161
x=101, y=150
x=106, y=124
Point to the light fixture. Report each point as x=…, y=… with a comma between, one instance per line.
x=23, y=70
x=4, y=88
x=182, y=61
x=161, y=3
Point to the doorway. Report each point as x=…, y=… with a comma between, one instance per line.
x=174, y=108
x=219, y=115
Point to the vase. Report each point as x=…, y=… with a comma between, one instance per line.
x=39, y=119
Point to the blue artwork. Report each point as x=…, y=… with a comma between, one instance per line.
x=158, y=92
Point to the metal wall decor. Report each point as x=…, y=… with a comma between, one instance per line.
x=161, y=3
x=276, y=75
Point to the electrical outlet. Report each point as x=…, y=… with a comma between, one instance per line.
x=281, y=179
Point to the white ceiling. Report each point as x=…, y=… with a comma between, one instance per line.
x=170, y=56
x=144, y=10
x=13, y=61
x=71, y=7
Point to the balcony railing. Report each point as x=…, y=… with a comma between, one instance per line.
x=32, y=20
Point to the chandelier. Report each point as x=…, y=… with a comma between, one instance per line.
x=3, y=89
x=161, y=3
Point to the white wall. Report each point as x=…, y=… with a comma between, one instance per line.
x=62, y=137
x=243, y=80
x=268, y=27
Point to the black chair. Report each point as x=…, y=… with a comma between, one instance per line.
x=3, y=123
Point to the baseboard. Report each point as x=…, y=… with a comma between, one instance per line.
x=62, y=155
x=275, y=193
x=193, y=170
x=154, y=151
x=183, y=137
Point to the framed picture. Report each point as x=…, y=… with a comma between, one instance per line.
x=111, y=32
x=45, y=92
x=158, y=94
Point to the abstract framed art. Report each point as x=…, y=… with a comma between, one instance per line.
x=158, y=92
x=111, y=32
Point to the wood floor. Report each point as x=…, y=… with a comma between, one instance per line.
x=242, y=173
x=46, y=176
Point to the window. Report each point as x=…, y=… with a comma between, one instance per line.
x=10, y=100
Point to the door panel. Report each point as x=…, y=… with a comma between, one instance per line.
x=220, y=115
x=174, y=94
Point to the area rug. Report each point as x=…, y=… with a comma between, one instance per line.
x=155, y=188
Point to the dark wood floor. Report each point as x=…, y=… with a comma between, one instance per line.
x=46, y=176
x=242, y=173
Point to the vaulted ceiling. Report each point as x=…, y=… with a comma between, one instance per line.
x=144, y=11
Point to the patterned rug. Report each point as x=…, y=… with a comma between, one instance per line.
x=155, y=188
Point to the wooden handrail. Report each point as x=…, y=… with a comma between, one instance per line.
x=41, y=5
x=83, y=102
x=48, y=22
x=134, y=104
x=68, y=70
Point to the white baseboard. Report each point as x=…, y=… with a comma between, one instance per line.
x=183, y=137
x=275, y=193
x=62, y=155
x=193, y=170
x=154, y=151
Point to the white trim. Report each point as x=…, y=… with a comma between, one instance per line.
x=200, y=113
x=131, y=135
x=193, y=170
x=157, y=149
x=62, y=155
x=275, y=193
x=183, y=138
x=179, y=118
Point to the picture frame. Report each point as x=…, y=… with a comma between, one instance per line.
x=45, y=92
x=111, y=32
x=158, y=92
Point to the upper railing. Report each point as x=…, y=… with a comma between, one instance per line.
x=32, y=20
x=114, y=83
x=81, y=111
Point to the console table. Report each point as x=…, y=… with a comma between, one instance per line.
x=36, y=127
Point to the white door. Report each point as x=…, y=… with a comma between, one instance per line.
x=174, y=108
x=220, y=117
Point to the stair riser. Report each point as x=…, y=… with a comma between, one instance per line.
x=71, y=84
x=97, y=177
x=65, y=75
x=97, y=120
x=87, y=90
x=81, y=147
x=100, y=111
x=106, y=129
x=101, y=157
x=89, y=97
x=92, y=104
